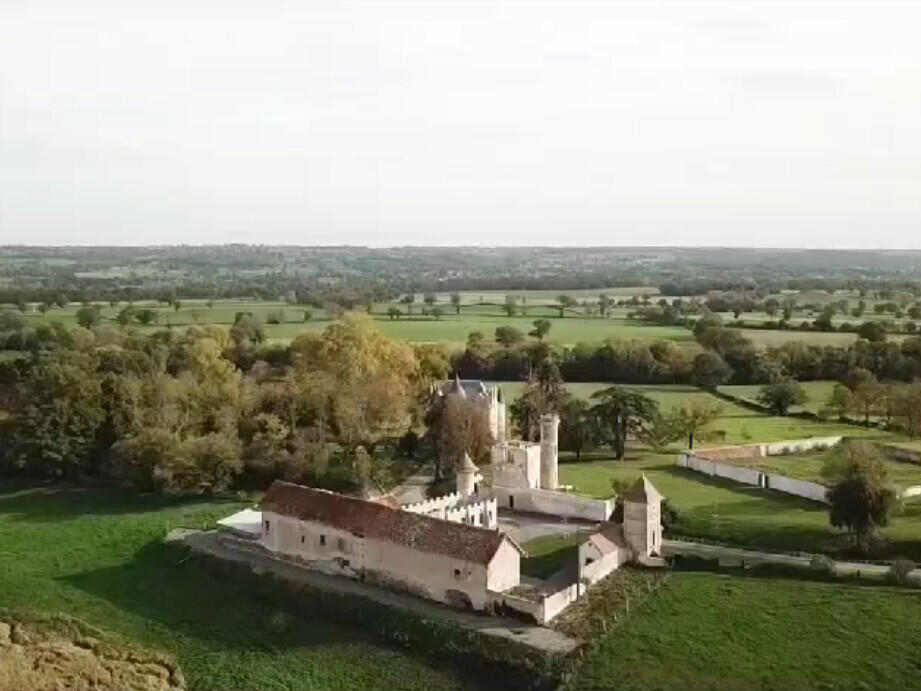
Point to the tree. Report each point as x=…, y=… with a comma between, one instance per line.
x=866, y=396
x=89, y=316
x=860, y=495
x=508, y=336
x=455, y=426
x=60, y=412
x=545, y=393
x=690, y=419
x=565, y=302
x=437, y=312
x=576, y=426
x=394, y=312
x=709, y=370
x=840, y=401
x=771, y=307
x=408, y=300
x=510, y=305
x=619, y=412
x=456, y=302
x=177, y=305
x=908, y=408
x=541, y=329
x=429, y=299
x=782, y=394
x=357, y=381
x=872, y=331
x=604, y=304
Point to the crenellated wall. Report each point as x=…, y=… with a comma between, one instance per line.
x=457, y=509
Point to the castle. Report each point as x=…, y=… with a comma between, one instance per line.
x=450, y=548
x=524, y=475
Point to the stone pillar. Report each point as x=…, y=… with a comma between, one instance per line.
x=549, y=452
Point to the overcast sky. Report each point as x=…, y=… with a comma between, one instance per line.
x=384, y=123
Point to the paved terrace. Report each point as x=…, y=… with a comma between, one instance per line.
x=537, y=637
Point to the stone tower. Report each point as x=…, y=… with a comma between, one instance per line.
x=643, y=519
x=549, y=452
x=466, y=476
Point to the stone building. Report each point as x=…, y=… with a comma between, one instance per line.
x=451, y=562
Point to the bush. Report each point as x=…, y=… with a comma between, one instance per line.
x=899, y=570
x=822, y=564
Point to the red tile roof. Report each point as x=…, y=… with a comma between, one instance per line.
x=374, y=520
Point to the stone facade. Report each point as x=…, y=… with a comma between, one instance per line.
x=450, y=562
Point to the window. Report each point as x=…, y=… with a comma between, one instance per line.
x=340, y=544
x=302, y=539
x=457, y=573
x=511, y=502
x=268, y=526
x=322, y=541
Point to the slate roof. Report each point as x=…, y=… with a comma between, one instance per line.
x=465, y=387
x=373, y=520
x=642, y=492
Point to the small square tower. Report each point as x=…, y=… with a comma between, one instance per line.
x=643, y=518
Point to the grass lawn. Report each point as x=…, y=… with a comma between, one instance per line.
x=96, y=554
x=713, y=631
x=548, y=554
x=816, y=391
x=808, y=466
x=721, y=510
x=453, y=329
x=725, y=511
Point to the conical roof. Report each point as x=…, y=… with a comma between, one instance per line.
x=642, y=492
x=467, y=464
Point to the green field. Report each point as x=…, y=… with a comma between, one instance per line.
x=96, y=554
x=725, y=511
x=808, y=466
x=817, y=393
x=480, y=311
x=712, y=631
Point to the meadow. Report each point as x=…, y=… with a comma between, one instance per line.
x=808, y=466
x=715, y=631
x=96, y=554
x=817, y=393
x=480, y=311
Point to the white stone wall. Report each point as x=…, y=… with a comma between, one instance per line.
x=516, y=464
x=396, y=566
x=553, y=503
x=504, y=572
x=481, y=513
x=750, y=476
x=458, y=509
x=434, y=507
x=801, y=488
x=595, y=565
x=783, y=448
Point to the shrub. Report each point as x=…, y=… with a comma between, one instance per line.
x=899, y=570
x=822, y=564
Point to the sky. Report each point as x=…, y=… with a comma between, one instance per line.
x=783, y=124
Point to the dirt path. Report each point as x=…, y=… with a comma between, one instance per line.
x=413, y=489
x=753, y=557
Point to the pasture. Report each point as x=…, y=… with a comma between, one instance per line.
x=96, y=554
x=715, y=631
